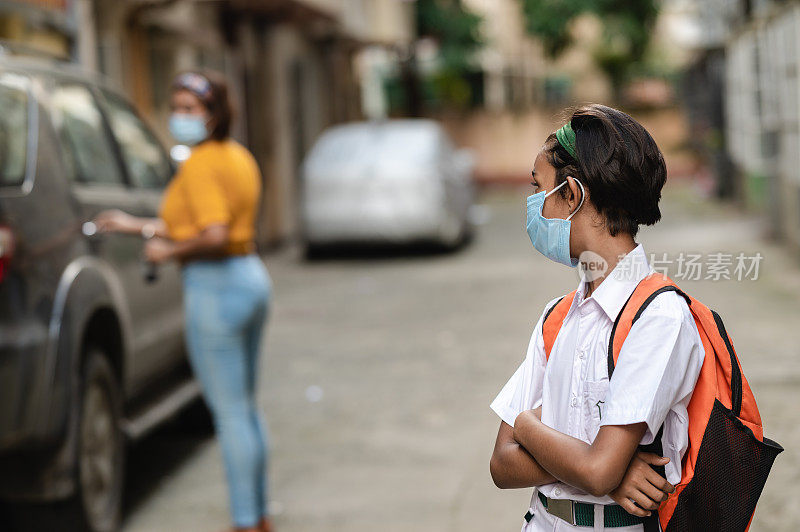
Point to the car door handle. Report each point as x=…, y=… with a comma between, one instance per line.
x=89, y=229
x=150, y=271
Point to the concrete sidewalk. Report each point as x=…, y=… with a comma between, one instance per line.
x=378, y=373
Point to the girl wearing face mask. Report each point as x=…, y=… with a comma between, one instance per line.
x=566, y=429
x=207, y=224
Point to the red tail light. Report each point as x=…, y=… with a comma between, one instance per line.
x=7, y=242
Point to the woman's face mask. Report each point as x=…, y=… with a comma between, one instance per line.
x=188, y=129
x=550, y=236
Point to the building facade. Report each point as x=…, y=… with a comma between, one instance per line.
x=516, y=72
x=759, y=45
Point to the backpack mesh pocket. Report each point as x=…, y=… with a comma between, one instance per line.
x=731, y=470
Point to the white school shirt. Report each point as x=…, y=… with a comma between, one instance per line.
x=654, y=377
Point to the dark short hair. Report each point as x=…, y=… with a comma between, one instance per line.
x=215, y=97
x=617, y=161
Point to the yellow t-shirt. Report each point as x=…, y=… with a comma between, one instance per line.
x=218, y=184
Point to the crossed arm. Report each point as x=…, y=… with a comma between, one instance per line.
x=512, y=466
x=533, y=454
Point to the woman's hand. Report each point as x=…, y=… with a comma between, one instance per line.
x=116, y=221
x=642, y=485
x=158, y=250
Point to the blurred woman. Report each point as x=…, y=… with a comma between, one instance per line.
x=206, y=223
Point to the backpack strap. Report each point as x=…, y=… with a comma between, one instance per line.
x=553, y=320
x=707, y=320
x=713, y=332
x=645, y=292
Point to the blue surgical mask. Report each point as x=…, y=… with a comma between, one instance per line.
x=550, y=236
x=188, y=128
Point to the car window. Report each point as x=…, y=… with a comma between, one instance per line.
x=407, y=144
x=13, y=128
x=344, y=144
x=88, y=151
x=399, y=144
x=147, y=164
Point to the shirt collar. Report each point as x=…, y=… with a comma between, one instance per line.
x=618, y=285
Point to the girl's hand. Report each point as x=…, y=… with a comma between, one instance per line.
x=158, y=250
x=115, y=221
x=642, y=485
x=524, y=421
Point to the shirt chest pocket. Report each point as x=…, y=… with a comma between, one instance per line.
x=594, y=394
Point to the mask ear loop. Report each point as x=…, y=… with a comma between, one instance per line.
x=548, y=194
x=583, y=197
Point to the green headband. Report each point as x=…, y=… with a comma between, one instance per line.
x=566, y=137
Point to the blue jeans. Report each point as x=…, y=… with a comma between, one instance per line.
x=226, y=306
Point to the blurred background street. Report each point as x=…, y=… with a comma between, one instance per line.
x=395, y=140
x=379, y=370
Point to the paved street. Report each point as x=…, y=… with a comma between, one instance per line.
x=378, y=373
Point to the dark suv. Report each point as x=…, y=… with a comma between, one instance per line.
x=91, y=348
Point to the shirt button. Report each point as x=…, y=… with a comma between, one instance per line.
x=582, y=354
x=557, y=492
x=574, y=401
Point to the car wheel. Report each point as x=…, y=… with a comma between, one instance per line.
x=100, y=454
x=467, y=235
x=450, y=232
x=311, y=251
x=459, y=237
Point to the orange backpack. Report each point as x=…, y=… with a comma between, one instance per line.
x=728, y=459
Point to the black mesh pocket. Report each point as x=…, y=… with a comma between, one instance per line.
x=731, y=470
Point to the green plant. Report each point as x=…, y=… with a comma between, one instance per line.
x=627, y=27
x=457, y=32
